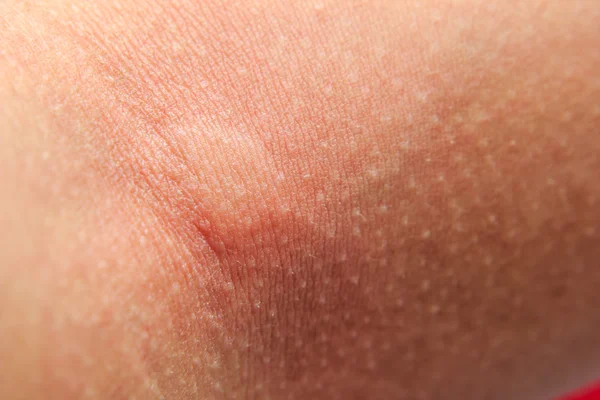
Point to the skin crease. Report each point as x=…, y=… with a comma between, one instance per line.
x=271, y=200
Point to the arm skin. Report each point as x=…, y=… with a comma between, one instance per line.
x=299, y=200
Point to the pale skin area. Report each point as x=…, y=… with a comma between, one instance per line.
x=294, y=200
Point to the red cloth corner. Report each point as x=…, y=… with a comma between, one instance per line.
x=590, y=393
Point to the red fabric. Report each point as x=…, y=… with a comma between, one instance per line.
x=591, y=393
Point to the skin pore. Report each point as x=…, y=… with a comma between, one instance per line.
x=295, y=200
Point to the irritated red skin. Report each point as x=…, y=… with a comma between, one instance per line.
x=333, y=200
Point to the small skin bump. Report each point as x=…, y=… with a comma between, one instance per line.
x=383, y=209
x=458, y=158
x=411, y=182
x=488, y=260
x=567, y=116
x=331, y=232
x=396, y=82
x=175, y=288
x=458, y=227
x=317, y=265
x=400, y=272
x=218, y=387
x=323, y=337
x=353, y=77
x=425, y=285
x=259, y=388
x=373, y=172
x=371, y=364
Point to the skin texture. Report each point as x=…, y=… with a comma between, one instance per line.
x=273, y=200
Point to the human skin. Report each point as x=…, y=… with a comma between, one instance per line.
x=292, y=200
